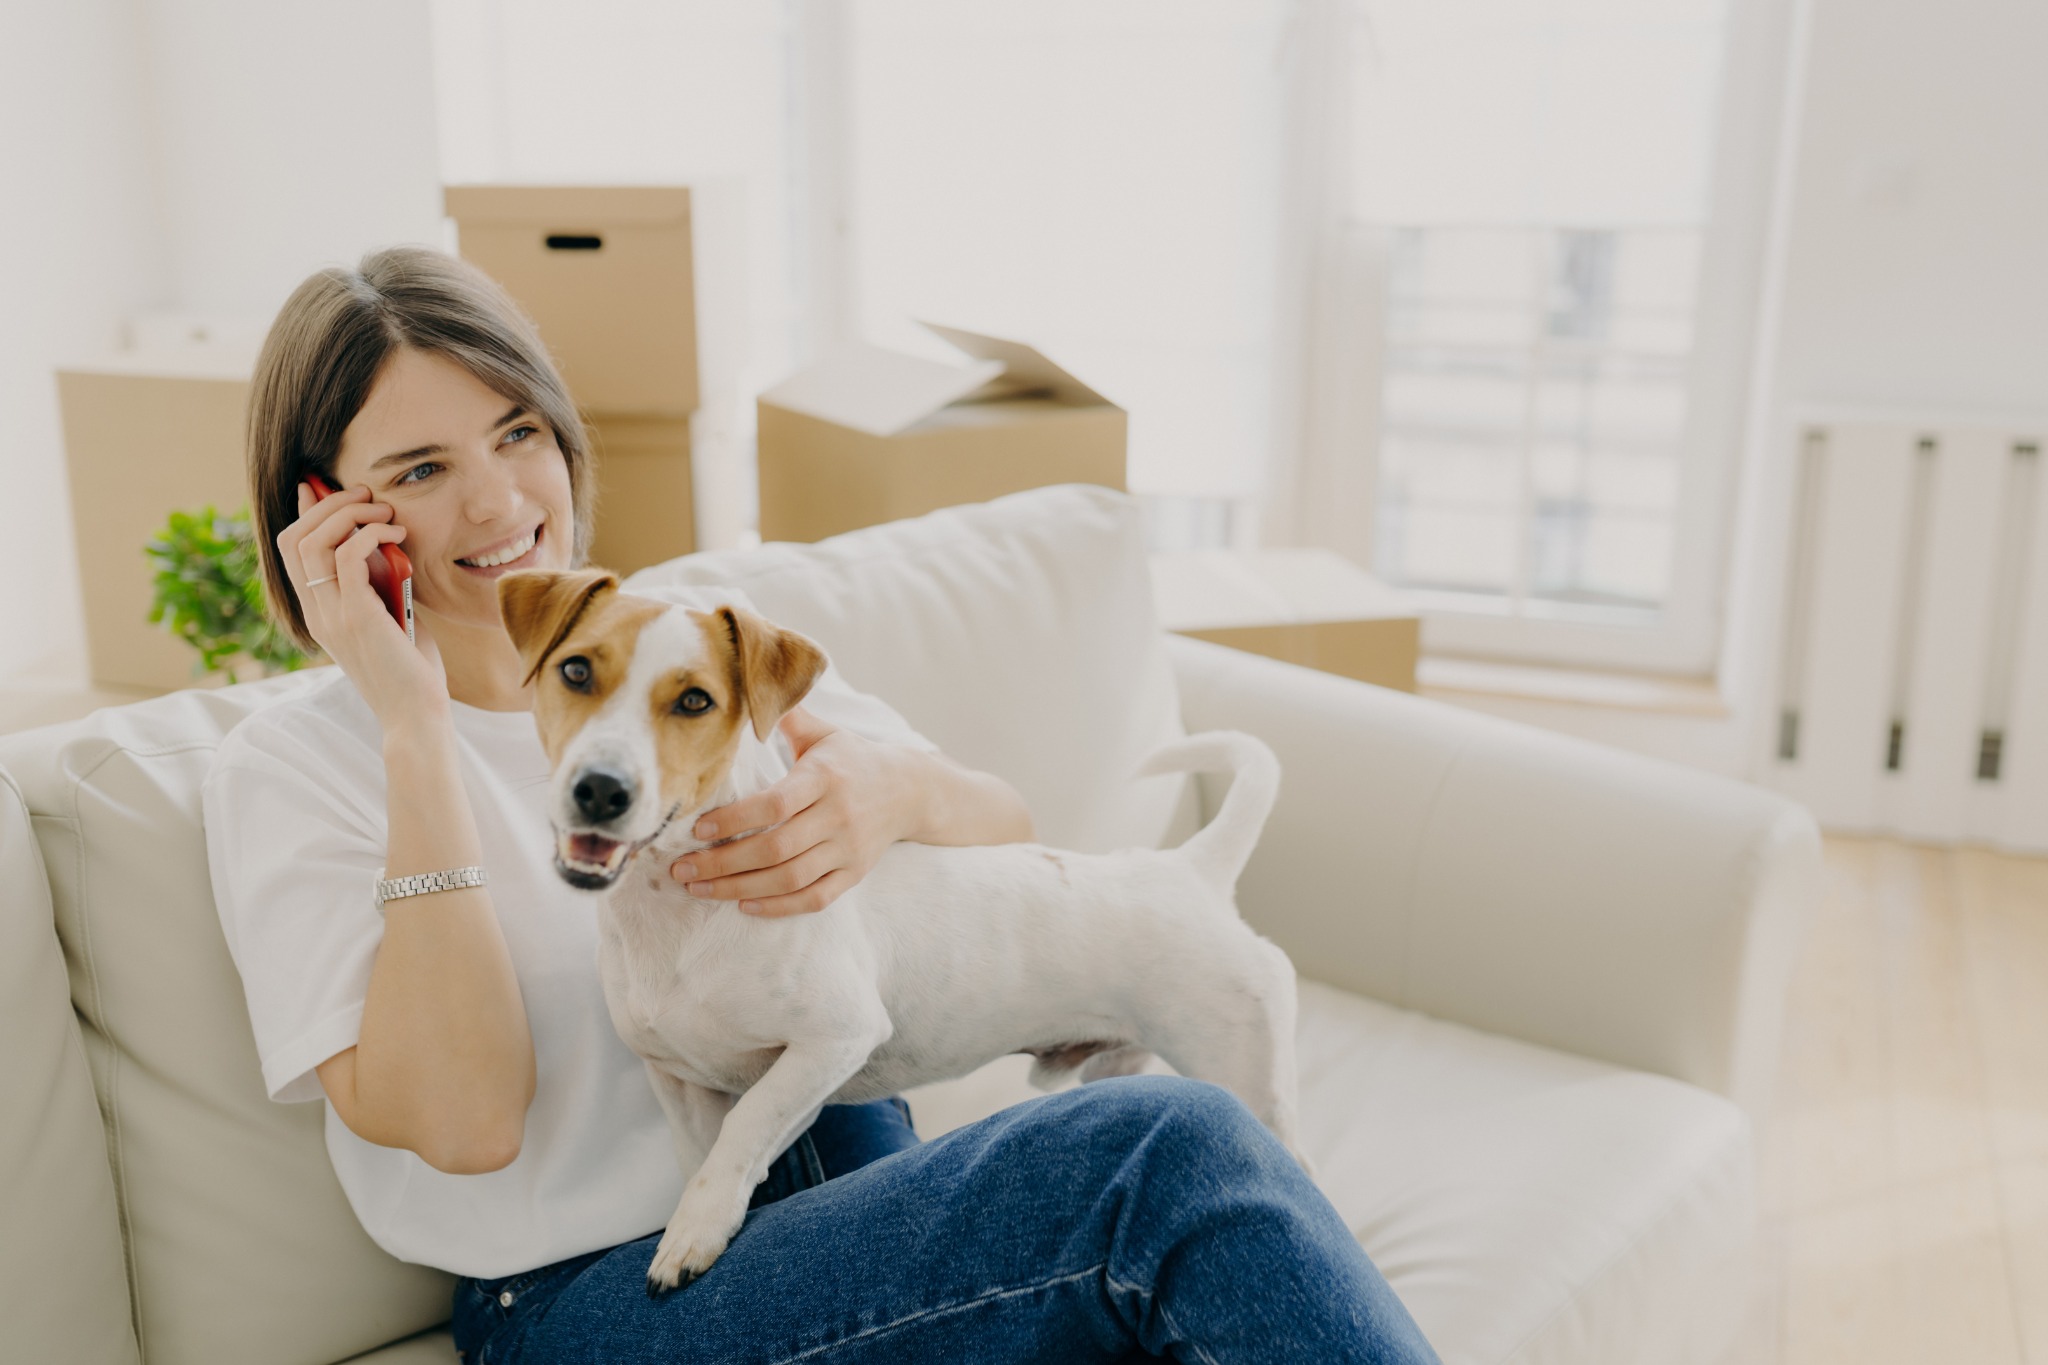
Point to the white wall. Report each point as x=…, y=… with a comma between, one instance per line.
x=288, y=137
x=81, y=252
x=186, y=156
x=1912, y=267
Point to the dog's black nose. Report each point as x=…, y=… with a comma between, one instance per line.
x=602, y=794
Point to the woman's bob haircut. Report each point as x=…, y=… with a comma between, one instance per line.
x=326, y=349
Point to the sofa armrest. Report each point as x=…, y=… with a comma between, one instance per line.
x=1514, y=880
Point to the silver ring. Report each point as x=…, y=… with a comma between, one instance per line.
x=314, y=583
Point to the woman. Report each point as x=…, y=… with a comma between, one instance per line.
x=481, y=1113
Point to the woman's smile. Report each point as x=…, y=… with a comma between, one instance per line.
x=501, y=557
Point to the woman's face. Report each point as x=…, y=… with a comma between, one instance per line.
x=477, y=482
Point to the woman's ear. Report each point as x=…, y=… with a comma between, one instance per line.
x=541, y=606
x=777, y=667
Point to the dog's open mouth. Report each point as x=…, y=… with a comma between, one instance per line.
x=590, y=862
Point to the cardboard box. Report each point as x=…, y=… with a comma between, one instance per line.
x=869, y=435
x=1310, y=607
x=144, y=436
x=645, y=500
x=638, y=291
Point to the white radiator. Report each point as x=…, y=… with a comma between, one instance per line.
x=1913, y=668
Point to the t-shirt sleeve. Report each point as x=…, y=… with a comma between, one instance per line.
x=294, y=867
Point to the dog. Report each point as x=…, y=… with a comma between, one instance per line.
x=939, y=961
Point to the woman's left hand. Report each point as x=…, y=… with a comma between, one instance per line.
x=818, y=831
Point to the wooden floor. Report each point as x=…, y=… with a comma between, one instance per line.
x=1905, y=1173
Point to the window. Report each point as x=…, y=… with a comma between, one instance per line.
x=1552, y=195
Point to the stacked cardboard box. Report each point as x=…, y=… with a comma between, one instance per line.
x=1309, y=607
x=146, y=434
x=868, y=435
x=638, y=293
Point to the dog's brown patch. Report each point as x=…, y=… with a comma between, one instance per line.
x=606, y=632
x=771, y=668
x=1059, y=864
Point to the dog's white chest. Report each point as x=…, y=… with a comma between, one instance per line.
x=690, y=989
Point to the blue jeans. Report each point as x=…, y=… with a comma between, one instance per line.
x=1134, y=1217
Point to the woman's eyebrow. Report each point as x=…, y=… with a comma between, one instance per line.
x=516, y=411
x=404, y=455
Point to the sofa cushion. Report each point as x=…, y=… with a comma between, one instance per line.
x=1527, y=1205
x=63, y=1287
x=1017, y=634
x=241, y=1246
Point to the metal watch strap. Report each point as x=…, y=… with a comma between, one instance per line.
x=425, y=883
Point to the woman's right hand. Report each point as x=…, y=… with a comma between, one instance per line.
x=333, y=540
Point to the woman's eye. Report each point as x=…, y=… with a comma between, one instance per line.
x=694, y=701
x=418, y=473
x=576, y=672
x=520, y=433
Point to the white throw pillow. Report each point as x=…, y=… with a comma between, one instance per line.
x=1017, y=634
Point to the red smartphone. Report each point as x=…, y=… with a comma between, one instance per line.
x=390, y=570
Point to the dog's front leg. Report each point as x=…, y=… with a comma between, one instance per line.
x=694, y=1114
x=763, y=1122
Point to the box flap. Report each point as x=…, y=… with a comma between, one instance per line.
x=1023, y=368
x=878, y=391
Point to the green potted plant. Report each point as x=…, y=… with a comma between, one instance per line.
x=209, y=593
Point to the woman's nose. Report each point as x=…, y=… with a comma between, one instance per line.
x=491, y=495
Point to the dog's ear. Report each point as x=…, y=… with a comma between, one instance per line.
x=776, y=666
x=540, y=606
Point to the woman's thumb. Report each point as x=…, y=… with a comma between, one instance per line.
x=804, y=729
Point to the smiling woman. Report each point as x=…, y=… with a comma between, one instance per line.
x=318, y=406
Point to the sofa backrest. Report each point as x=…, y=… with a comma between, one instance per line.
x=241, y=1245
x=1017, y=634
x=63, y=1290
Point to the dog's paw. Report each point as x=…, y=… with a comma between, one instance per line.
x=683, y=1255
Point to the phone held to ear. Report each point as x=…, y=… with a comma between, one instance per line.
x=390, y=570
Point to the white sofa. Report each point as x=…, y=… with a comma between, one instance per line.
x=1542, y=980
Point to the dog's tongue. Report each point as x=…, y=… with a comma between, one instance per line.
x=592, y=852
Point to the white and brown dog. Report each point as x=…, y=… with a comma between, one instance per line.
x=940, y=960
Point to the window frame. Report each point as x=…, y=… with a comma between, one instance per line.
x=1683, y=636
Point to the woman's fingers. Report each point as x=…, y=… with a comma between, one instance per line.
x=811, y=899
x=313, y=513
x=765, y=848
x=796, y=793
x=793, y=872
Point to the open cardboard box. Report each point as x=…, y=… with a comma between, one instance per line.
x=868, y=435
x=1309, y=607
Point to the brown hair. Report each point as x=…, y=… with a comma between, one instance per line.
x=325, y=350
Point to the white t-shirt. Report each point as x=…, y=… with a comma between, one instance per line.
x=295, y=828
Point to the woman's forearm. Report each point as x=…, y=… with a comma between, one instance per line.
x=958, y=805
x=444, y=1062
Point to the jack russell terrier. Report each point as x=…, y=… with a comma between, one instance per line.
x=940, y=960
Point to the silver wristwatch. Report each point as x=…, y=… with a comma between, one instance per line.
x=424, y=883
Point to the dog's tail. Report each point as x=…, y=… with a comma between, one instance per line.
x=1220, y=849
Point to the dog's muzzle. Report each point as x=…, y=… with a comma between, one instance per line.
x=590, y=859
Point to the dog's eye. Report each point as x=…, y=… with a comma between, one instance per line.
x=693, y=702
x=576, y=672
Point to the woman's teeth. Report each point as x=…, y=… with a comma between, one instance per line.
x=504, y=556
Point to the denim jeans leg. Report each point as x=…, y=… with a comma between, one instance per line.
x=1138, y=1214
